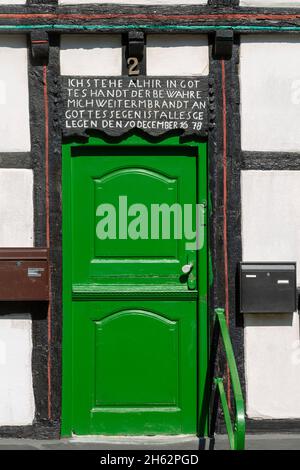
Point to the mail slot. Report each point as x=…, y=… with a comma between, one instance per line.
x=24, y=274
x=268, y=287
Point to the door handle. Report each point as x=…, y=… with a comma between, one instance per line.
x=189, y=268
x=186, y=268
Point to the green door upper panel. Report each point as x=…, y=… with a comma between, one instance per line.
x=135, y=251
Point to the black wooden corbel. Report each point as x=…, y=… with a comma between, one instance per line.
x=223, y=44
x=39, y=41
x=135, y=53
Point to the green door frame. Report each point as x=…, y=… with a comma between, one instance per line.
x=202, y=302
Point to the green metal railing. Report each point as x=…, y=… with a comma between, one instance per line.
x=236, y=432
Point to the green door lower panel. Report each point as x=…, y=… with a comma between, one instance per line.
x=134, y=367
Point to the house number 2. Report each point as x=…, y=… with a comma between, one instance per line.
x=133, y=63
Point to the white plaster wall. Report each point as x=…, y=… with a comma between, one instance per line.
x=270, y=3
x=16, y=229
x=271, y=232
x=99, y=54
x=16, y=208
x=16, y=389
x=134, y=2
x=270, y=93
x=178, y=54
x=14, y=103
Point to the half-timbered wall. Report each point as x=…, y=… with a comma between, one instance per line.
x=16, y=229
x=269, y=83
x=254, y=152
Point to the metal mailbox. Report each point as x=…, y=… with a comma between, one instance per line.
x=24, y=274
x=268, y=287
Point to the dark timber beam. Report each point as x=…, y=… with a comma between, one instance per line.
x=197, y=18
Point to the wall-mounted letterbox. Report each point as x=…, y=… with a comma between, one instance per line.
x=268, y=287
x=24, y=274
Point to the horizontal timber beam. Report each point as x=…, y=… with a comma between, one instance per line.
x=170, y=18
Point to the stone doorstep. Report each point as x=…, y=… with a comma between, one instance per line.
x=106, y=443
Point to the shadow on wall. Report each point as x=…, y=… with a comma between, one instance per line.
x=90, y=42
x=268, y=319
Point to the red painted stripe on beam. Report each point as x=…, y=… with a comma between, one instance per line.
x=225, y=243
x=46, y=106
x=140, y=16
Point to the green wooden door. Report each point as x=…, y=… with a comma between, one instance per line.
x=131, y=317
